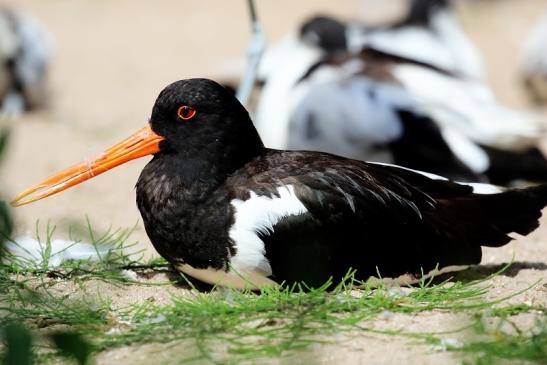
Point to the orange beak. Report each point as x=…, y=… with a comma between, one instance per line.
x=143, y=142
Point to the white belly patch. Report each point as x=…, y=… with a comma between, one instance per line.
x=258, y=215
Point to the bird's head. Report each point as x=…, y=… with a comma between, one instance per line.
x=195, y=114
x=326, y=33
x=192, y=119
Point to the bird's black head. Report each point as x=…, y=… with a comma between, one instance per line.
x=201, y=118
x=326, y=33
x=198, y=132
x=420, y=12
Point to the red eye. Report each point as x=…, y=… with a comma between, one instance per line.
x=186, y=113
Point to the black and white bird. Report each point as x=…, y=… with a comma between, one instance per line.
x=25, y=53
x=443, y=70
x=374, y=105
x=226, y=210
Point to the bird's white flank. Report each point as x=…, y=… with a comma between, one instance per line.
x=258, y=215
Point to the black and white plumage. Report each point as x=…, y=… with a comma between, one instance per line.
x=430, y=33
x=226, y=210
x=374, y=105
x=25, y=52
x=376, y=120
x=470, y=107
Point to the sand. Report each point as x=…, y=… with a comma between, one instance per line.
x=113, y=57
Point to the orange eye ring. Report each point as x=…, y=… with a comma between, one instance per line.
x=186, y=112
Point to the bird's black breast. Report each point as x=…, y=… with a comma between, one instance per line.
x=185, y=222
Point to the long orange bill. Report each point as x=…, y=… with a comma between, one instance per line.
x=143, y=142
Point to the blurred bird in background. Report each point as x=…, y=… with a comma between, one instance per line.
x=409, y=93
x=25, y=52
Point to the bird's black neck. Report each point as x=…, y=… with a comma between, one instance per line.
x=177, y=195
x=206, y=162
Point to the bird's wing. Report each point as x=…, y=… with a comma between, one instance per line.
x=426, y=146
x=370, y=216
x=432, y=34
x=353, y=117
x=469, y=107
x=376, y=120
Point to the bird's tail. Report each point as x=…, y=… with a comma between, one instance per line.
x=489, y=218
x=507, y=166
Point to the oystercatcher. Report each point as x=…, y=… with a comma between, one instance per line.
x=226, y=210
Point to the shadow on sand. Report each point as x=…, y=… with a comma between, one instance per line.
x=479, y=272
x=473, y=273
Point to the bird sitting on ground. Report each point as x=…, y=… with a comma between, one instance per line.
x=226, y=210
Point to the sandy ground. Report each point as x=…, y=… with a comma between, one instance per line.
x=113, y=57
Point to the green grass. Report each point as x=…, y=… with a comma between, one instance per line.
x=120, y=255
x=250, y=326
x=531, y=347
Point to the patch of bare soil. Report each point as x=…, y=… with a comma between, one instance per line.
x=113, y=58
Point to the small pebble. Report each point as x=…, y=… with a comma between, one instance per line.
x=130, y=274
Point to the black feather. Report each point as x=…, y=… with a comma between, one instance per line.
x=422, y=147
x=507, y=166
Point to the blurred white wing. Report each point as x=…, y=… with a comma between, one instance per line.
x=470, y=107
x=443, y=44
x=350, y=117
x=281, y=68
